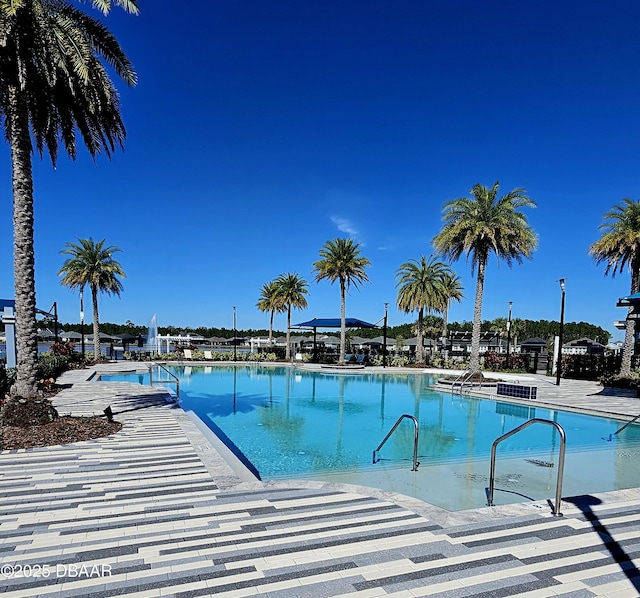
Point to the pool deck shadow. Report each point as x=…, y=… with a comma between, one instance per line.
x=156, y=510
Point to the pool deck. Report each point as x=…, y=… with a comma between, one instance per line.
x=155, y=510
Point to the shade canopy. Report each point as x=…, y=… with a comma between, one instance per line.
x=630, y=300
x=335, y=323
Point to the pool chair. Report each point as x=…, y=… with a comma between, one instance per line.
x=208, y=355
x=349, y=357
x=361, y=359
x=188, y=354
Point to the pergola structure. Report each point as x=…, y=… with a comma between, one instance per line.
x=331, y=323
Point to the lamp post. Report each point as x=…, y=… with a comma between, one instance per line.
x=509, y=333
x=235, y=340
x=82, y=318
x=384, y=338
x=55, y=321
x=559, y=364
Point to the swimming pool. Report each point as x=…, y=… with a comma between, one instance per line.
x=291, y=423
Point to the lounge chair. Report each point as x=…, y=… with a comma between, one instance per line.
x=349, y=357
x=188, y=354
x=361, y=359
x=208, y=355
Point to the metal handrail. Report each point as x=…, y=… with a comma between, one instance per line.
x=628, y=424
x=415, y=440
x=563, y=443
x=175, y=380
x=461, y=379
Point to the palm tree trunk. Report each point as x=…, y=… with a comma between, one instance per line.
x=271, y=329
x=444, y=329
x=343, y=320
x=630, y=328
x=419, y=336
x=23, y=247
x=96, y=323
x=627, y=348
x=287, y=354
x=477, y=317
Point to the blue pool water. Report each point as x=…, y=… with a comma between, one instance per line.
x=293, y=423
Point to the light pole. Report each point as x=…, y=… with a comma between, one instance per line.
x=509, y=333
x=384, y=338
x=235, y=340
x=55, y=321
x=559, y=364
x=82, y=318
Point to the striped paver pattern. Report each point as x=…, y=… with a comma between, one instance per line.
x=154, y=511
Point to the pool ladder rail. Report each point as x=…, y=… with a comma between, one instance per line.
x=563, y=444
x=464, y=383
x=174, y=378
x=416, y=463
x=492, y=478
x=633, y=421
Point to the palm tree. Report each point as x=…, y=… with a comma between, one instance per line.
x=480, y=226
x=54, y=87
x=91, y=264
x=270, y=302
x=341, y=260
x=290, y=293
x=451, y=291
x=420, y=288
x=619, y=247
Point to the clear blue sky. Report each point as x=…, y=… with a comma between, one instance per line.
x=260, y=130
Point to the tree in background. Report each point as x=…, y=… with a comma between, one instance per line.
x=341, y=260
x=619, y=247
x=92, y=264
x=290, y=293
x=482, y=225
x=270, y=302
x=451, y=291
x=419, y=284
x=54, y=86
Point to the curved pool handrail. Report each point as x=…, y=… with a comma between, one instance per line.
x=175, y=380
x=563, y=443
x=415, y=440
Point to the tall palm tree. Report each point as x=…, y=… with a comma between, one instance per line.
x=341, y=260
x=619, y=247
x=270, y=302
x=91, y=264
x=482, y=225
x=451, y=291
x=419, y=284
x=290, y=293
x=54, y=88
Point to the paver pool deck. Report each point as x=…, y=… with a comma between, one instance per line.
x=155, y=510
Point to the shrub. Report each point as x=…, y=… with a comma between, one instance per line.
x=51, y=366
x=273, y=357
x=448, y=364
x=492, y=361
x=400, y=361
x=62, y=348
x=517, y=363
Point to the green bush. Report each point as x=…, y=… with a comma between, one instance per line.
x=51, y=366
x=400, y=361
